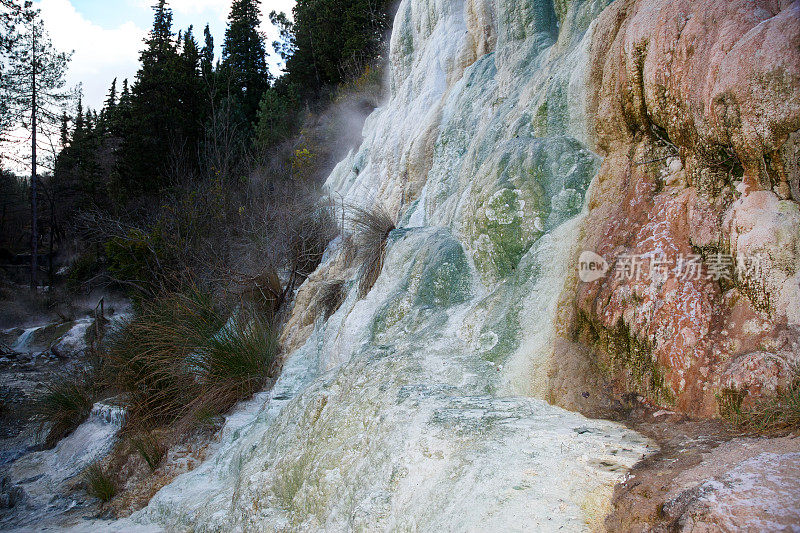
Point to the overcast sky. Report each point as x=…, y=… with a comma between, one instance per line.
x=107, y=35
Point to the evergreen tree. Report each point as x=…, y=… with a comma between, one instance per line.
x=111, y=99
x=124, y=96
x=244, y=56
x=207, y=55
x=79, y=118
x=33, y=81
x=122, y=111
x=333, y=39
x=64, y=138
x=285, y=46
x=13, y=15
x=151, y=128
x=188, y=84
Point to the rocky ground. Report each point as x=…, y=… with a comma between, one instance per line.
x=708, y=477
x=39, y=352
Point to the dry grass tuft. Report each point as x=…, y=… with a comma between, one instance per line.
x=64, y=405
x=779, y=413
x=371, y=228
x=331, y=296
x=149, y=448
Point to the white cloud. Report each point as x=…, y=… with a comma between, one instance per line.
x=219, y=6
x=191, y=6
x=100, y=54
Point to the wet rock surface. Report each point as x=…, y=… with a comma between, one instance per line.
x=39, y=486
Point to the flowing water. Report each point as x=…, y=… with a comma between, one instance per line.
x=422, y=406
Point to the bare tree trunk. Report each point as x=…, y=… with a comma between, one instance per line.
x=50, y=273
x=34, y=210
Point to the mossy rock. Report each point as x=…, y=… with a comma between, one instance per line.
x=46, y=336
x=529, y=188
x=446, y=279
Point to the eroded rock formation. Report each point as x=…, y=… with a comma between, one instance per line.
x=696, y=111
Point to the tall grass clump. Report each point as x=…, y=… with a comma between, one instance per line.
x=371, y=228
x=181, y=355
x=331, y=296
x=98, y=483
x=149, y=448
x=768, y=415
x=65, y=403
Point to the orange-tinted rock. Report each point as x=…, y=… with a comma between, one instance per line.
x=694, y=103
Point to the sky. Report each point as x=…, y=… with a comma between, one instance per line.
x=107, y=35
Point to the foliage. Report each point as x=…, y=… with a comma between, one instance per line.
x=244, y=56
x=149, y=448
x=165, y=112
x=277, y=118
x=180, y=356
x=99, y=483
x=140, y=259
x=778, y=413
x=331, y=296
x=64, y=405
x=333, y=40
x=27, y=50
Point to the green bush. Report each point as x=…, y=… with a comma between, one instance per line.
x=139, y=260
x=64, y=405
x=180, y=356
x=83, y=268
x=277, y=118
x=98, y=483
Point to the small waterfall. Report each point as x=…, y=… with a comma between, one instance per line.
x=43, y=480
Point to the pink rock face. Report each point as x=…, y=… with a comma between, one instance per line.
x=694, y=103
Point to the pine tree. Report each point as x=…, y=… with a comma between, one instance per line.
x=152, y=125
x=79, y=118
x=111, y=99
x=333, y=39
x=189, y=86
x=207, y=55
x=33, y=82
x=124, y=97
x=244, y=56
x=64, y=138
x=285, y=46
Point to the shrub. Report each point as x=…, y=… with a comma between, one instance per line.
x=309, y=236
x=133, y=258
x=264, y=291
x=98, y=483
x=84, y=267
x=180, y=356
x=64, y=405
x=234, y=363
x=371, y=228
